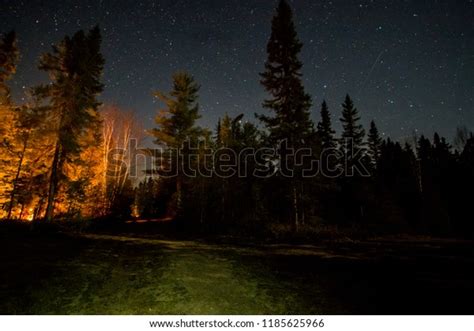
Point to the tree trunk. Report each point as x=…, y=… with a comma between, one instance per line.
x=224, y=201
x=302, y=205
x=203, y=200
x=53, y=182
x=21, y=211
x=17, y=176
x=38, y=208
x=295, y=207
x=179, y=197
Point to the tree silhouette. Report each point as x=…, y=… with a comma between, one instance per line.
x=374, y=143
x=353, y=133
x=289, y=102
x=177, y=125
x=75, y=67
x=282, y=79
x=325, y=130
x=9, y=55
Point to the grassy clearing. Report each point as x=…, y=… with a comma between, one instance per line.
x=104, y=274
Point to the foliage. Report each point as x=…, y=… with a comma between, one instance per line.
x=65, y=157
x=75, y=68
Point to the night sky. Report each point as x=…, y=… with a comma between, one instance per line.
x=407, y=64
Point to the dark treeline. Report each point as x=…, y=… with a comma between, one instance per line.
x=419, y=187
x=55, y=156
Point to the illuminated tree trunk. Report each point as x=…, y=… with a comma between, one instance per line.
x=119, y=129
x=21, y=211
x=17, y=176
x=53, y=182
x=107, y=134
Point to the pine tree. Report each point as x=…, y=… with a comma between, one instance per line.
x=177, y=125
x=353, y=133
x=374, y=145
x=8, y=59
x=26, y=130
x=325, y=131
x=434, y=171
x=9, y=55
x=460, y=138
x=396, y=192
x=353, y=162
x=289, y=102
x=282, y=79
x=226, y=131
x=466, y=161
x=218, y=132
x=75, y=67
x=442, y=149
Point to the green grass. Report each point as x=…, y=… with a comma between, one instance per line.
x=100, y=274
x=122, y=277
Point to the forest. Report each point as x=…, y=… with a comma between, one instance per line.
x=259, y=180
x=66, y=157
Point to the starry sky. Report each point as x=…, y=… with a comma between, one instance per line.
x=408, y=64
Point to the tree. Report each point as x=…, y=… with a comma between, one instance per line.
x=26, y=128
x=75, y=67
x=465, y=225
x=8, y=60
x=461, y=137
x=352, y=141
x=435, y=178
x=218, y=132
x=282, y=79
x=396, y=197
x=289, y=102
x=225, y=131
x=325, y=130
x=9, y=55
x=119, y=128
x=354, y=187
x=177, y=126
x=374, y=145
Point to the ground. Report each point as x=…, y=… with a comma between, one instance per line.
x=122, y=274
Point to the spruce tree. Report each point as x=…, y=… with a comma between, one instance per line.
x=25, y=132
x=218, y=132
x=226, y=131
x=460, y=138
x=325, y=131
x=177, y=125
x=466, y=162
x=374, y=145
x=289, y=102
x=9, y=55
x=282, y=79
x=442, y=149
x=353, y=162
x=353, y=133
x=8, y=116
x=8, y=59
x=75, y=67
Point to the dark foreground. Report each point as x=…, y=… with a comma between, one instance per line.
x=105, y=274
